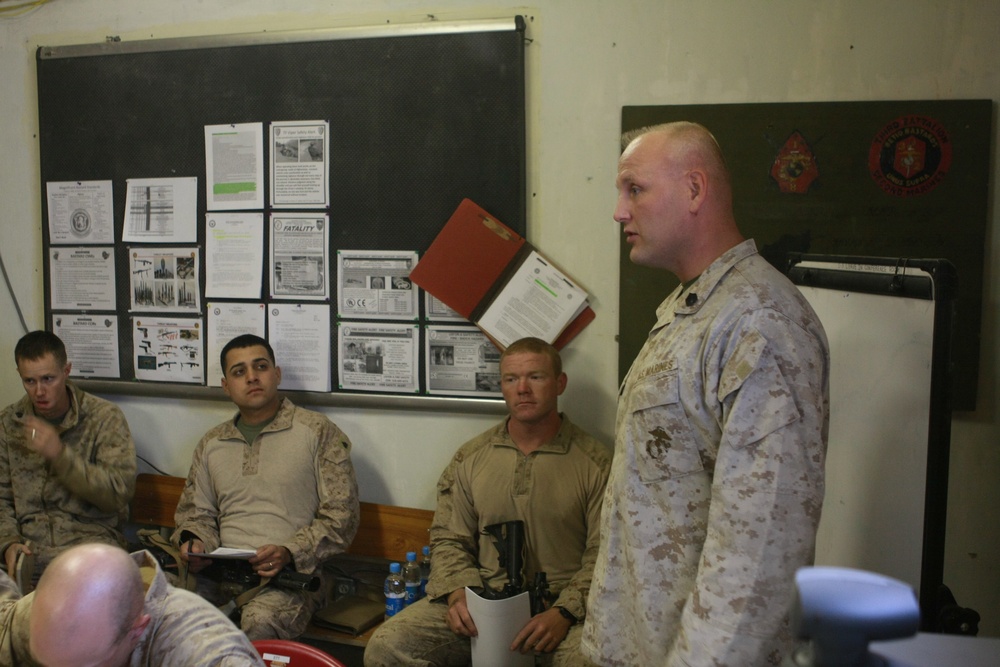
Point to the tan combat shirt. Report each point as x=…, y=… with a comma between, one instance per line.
x=556, y=490
x=81, y=496
x=294, y=486
x=717, y=482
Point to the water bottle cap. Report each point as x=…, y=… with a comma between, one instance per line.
x=394, y=568
x=427, y=551
x=411, y=555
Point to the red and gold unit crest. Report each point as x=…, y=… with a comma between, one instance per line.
x=794, y=167
x=910, y=156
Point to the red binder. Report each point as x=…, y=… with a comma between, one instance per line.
x=472, y=259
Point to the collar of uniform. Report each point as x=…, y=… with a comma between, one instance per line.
x=559, y=444
x=75, y=401
x=704, y=285
x=153, y=580
x=72, y=416
x=282, y=420
x=154, y=583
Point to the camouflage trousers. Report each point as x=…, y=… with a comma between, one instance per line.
x=419, y=636
x=274, y=612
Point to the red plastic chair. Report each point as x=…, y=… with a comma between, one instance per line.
x=288, y=653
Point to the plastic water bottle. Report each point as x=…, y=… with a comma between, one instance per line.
x=425, y=570
x=411, y=577
x=395, y=591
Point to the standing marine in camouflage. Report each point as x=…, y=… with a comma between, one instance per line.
x=717, y=480
x=276, y=479
x=67, y=460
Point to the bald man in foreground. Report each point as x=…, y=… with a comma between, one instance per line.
x=98, y=605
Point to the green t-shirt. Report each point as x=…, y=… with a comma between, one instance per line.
x=251, y=431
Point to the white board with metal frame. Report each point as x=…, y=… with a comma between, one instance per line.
x=888, y=323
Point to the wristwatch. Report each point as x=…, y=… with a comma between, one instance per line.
x=573, y=620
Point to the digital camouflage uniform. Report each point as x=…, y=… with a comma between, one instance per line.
x=184, y=630
x=13, y=624
x=717, y=482
x=294, y=486
x=81, y=496
x=556, y=490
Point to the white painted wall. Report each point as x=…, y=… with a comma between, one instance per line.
x=587, y=59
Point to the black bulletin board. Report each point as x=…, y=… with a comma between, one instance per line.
x=420, y=118
x=880, y=179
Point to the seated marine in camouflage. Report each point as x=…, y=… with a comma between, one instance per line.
x=276, y=480
x=67, y=461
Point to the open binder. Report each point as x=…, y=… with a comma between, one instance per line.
x=490, y=275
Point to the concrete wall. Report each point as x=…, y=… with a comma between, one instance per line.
x=587, y=59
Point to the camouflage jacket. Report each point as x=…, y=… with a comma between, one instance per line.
x=717, y=482
x=184, y=629
x=294, y=486
x=81, y=496
x=13, y=624
x=556, y=490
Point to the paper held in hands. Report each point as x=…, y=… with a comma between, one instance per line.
x=498, y=622
x=487, y=273
x=226, y=553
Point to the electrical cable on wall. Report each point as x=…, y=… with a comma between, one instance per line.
x=13, y=297
x=14, y=9
x=147, y=462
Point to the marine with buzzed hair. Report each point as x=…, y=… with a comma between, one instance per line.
x=67, y=460
x=720, y=440
x=275, y=479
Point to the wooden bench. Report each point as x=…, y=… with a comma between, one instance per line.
x=386, y=532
